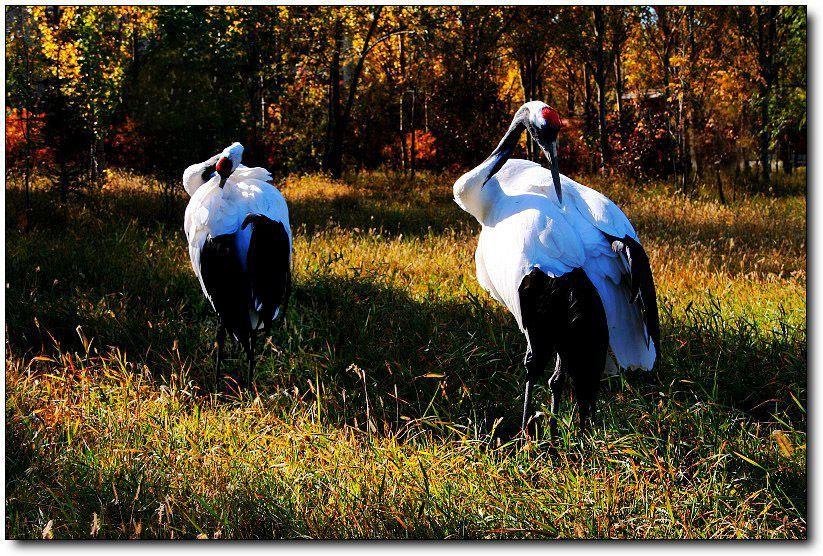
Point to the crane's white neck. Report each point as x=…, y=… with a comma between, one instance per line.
x=476, y=191
x=473, y=193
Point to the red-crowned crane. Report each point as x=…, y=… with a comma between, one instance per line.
x=565, y=261
x=240, y=244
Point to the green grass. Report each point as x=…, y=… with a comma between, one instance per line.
x=376, y=403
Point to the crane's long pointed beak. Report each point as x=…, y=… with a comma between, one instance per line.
x=552, y=156
x=501, y=155
x=222, y=181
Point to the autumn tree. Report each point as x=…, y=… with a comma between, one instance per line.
x=594, y=36
x=470, y=105
x=88, y=49
x=678, y=92
x=354, y=34
x=529, y=45
x=776, y=35
x=24, y=70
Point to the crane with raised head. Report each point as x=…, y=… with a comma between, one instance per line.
x=565, y=261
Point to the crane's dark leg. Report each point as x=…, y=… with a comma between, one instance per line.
x=534, y=300
x=248, y=346
x=251, y=357
x=586, y=412
x=535, y=365
x=585, y=390
x=220, y=340
x=286, y=298
x=527, y=403
x=557, y=382
x=585, y=356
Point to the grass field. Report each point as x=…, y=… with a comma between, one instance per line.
x=377, y=401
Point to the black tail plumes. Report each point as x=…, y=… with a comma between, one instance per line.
x=642, y=290
x=247, y=300
x=268, y=269
x=226, y=283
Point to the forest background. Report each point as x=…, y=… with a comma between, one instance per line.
x=687, y=94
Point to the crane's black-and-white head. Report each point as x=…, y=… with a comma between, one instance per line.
x=543, y=124
x=224, y=163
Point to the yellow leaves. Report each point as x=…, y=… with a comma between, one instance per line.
x=236, y=17
x=63, y=54
x=511, y=78
x=89, y=47
x=48, y=533
x=677, y=61
x=783, y=443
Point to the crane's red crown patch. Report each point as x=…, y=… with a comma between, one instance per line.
x=223, y=165
x=552, y=117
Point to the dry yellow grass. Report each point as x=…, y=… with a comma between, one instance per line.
x=377, y=402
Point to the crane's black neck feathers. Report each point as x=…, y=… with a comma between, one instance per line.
x=208, y=172
x=505, y=148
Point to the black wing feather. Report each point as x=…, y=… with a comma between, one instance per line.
x=227, y=284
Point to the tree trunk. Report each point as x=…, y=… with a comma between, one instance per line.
x=570, y=99
x=694, y=160
x=26, y=117
x=618, y=85
x=600, y=80
x=601, y=124
x=404, y=158
x=413, y=152
x=766, y=16
x=682, y=147
x=719, y=182
x=588, y=116
x=664, y=52
x=339, y=118
x=691, y=161
x=95, y=160
x=333, y=156
x=253, y=85
x=403, y=144
x=788, y=162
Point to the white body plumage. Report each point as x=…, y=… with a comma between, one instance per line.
x=213, y=211
x=525, y=226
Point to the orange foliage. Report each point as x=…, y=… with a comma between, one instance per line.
x=16, y=122
x=425, y=149
x=125, y=145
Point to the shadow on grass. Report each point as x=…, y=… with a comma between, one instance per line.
x=126, y=283
x=379, y=358
x=461, y=361
x=364, y=338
